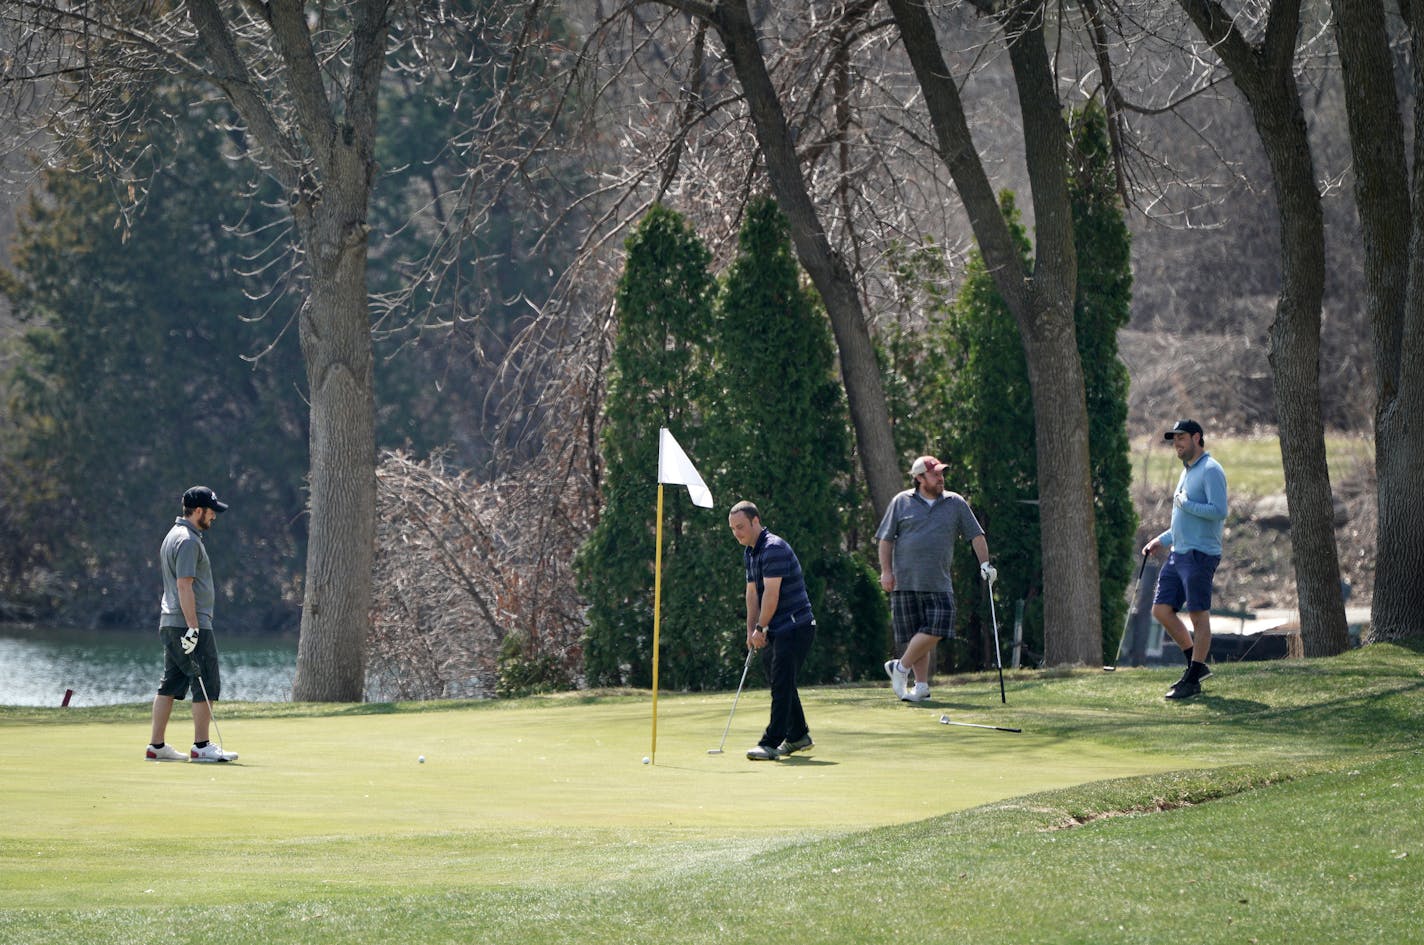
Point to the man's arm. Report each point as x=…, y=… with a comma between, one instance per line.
x=752, y=611
x=770, y=597
x=187, y=602
x=887, y=564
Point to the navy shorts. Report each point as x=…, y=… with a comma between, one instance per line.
x=1185, y=581
x=181, y=671
x=914, y=612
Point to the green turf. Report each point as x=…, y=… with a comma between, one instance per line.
x=1281, y=806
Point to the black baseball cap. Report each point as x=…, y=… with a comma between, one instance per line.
x=1183, y=426
x=201, y=497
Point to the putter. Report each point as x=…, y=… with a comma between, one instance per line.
x=1127, y=621
x=944, y=720
x=998, y=661
x=745, y=666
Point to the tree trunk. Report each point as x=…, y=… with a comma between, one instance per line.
x=1295, y=374
x=336, y=343
x=1042, y=305
x=865, y=392
x=1386, y=197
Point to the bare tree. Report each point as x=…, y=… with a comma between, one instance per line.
x=466, y=605
x=297, y=85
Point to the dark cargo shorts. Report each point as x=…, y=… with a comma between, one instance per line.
x=1185, y=581
x=181, y=671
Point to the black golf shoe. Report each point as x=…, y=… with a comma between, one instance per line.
x=1184, y=689
x=801, y=744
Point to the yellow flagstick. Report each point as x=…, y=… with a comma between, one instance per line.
x=657, y=615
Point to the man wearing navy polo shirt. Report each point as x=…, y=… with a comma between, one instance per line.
x=1194, y=551
x=779, y=624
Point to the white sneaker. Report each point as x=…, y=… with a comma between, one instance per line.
x=212, y=753
x=920, y=693
x=166, y=753
x=899, y=677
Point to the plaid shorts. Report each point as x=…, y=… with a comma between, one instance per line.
x=914, y=612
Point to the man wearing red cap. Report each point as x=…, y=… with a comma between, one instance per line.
x=917, y=537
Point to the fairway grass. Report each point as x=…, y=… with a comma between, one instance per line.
x=1283, y=805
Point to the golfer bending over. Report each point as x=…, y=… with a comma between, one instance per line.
x=779, y=624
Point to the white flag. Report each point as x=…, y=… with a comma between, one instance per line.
x=674, y=467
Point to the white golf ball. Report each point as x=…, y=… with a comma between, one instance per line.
x=647, y=760
x=421, y=759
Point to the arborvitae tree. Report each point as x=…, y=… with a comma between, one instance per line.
x=664, y=312
x=782, y=435
x=1104, y=305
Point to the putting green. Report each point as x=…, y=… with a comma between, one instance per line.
x=511, y=792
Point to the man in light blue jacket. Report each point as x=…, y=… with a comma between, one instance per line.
x=1194, y=546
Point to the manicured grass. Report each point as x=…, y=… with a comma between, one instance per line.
x=1280, y=806
x=1253, y=464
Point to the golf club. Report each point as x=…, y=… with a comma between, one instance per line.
x=1127, y=621
x=998, y=661
x=745, y=666
x=944, y=720
x=211, y=715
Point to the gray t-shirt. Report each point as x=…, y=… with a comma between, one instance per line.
x=924, y=537
x=183, y=555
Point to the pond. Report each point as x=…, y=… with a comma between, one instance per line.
x=108, y=667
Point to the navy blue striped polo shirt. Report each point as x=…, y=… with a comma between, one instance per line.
x=772, y=557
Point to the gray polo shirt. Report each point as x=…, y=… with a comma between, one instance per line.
x=924, y=537
x=184, y=555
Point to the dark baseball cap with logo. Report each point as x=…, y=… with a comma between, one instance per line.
x=1184, y=426
x=201, y=497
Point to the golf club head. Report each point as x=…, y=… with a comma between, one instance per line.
x=714, y=751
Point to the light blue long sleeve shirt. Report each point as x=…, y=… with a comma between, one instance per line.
x=1197, y=518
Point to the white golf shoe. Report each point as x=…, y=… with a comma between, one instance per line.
x=920, y=693
x=899, y=677
x=166, y=753
x=212, y=752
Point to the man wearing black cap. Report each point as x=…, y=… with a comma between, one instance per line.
x=1194, y=545
x=185, y=625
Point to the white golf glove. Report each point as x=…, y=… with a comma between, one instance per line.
x=189, y=641
x=1180, y=498
x=987, y=572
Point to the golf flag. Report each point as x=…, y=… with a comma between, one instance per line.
x=676, y=469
